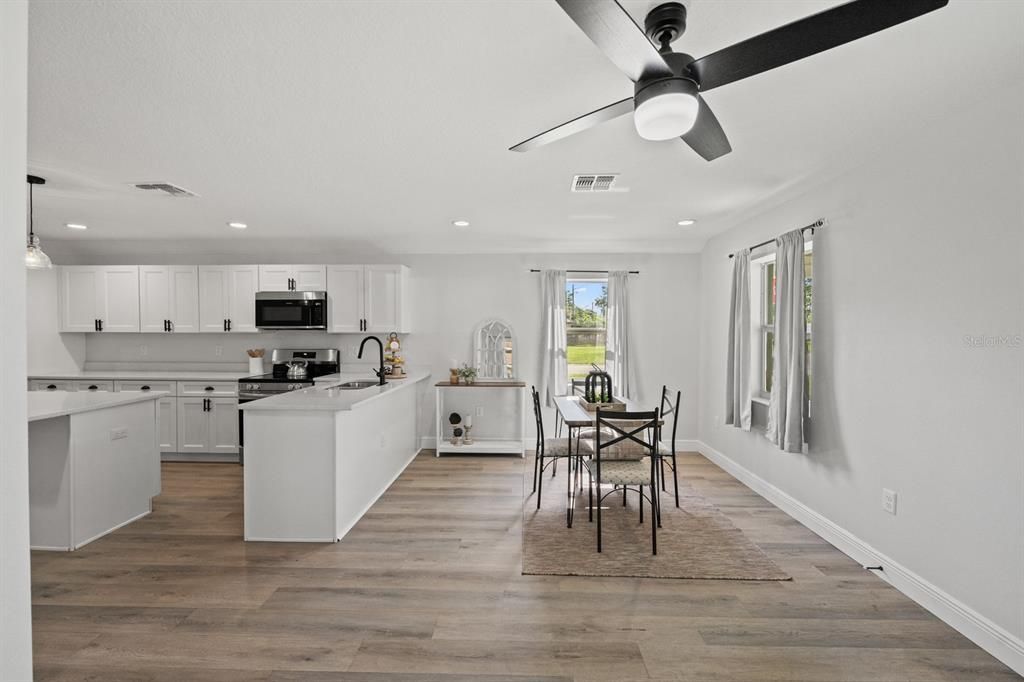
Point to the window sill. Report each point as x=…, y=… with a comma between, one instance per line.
x=759, y=400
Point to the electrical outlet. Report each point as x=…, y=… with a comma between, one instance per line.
x=479, y=411
x=383, y=440
x=889, y=501
x=119, y=433
x=143, y=350
x=218, y=351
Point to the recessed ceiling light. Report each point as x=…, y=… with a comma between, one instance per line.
x=76, y=226
x=238, y=226
x=460, y=223
x=686, y=222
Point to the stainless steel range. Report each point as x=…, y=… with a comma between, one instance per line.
x=292, y=369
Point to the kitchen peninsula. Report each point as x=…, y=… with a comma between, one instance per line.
x=94, y=464
x=317, y=459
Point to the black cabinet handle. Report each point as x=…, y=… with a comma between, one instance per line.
x=51, y=387
x=94, y=387
x=229, y=324
x=96, y=325
x=208, y=388
x=170, y=326
x=101, y=325
x=144, y=388
x=225, y=324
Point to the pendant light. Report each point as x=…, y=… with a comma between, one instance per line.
x=35, y=259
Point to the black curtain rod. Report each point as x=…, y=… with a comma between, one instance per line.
x=817, y=223
x=592, y=272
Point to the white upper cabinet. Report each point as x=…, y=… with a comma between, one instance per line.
x=385, y=290
x=169, y=298
x=367, y=298
x=99, y=298
x=227, y=298
x=345, y=298
x=293, y=278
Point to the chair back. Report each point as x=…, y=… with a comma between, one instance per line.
x=539, y=418
x=670, y=408
x=576, y=386
x=626, y=435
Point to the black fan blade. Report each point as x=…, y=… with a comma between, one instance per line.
x=706, y=137
x=806, y=37
x=617, y=35
x=577, y=125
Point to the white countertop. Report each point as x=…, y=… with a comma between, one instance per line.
x=324, y=397
x=142, y=374
x=50, y=404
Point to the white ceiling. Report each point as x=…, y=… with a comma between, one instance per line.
x=378, y=123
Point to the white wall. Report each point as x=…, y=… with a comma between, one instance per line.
x=450, y=296
x=15, y=604
x=49, y=350
x=925, y=248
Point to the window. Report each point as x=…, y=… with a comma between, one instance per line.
x=586, y=305
x=767, y=326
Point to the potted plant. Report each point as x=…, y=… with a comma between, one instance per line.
x=468, y=374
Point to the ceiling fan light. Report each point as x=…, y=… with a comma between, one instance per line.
x=666, y=109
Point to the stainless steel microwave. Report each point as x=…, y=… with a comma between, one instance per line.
x=291, y=310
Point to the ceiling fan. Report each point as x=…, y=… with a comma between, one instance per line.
x=666, y=101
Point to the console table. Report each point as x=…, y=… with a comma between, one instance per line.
x=498, y=411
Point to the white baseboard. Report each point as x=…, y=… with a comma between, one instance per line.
x=430, y=443
x=217, y=457
x=989, y=636
x=682, y=445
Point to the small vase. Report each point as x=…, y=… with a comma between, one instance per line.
x=453, y=377
x=255, y=366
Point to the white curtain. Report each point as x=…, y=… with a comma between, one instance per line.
x=786, y=404
x=554, y=374
x=737, y=383
x=616, y=348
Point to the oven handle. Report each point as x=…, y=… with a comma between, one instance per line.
x=242, y=397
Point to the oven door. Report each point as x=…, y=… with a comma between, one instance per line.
x=291, y=310
x=244, y=398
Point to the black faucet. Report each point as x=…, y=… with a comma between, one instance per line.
x=378, y=372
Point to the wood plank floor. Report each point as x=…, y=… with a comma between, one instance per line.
x=427, y=587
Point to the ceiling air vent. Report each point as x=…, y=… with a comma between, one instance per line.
x=166, y=187
x=593, y=183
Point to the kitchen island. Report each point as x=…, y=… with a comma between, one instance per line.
x=317, y=459
x=94, y=464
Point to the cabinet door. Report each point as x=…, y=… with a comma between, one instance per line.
x=214, y=282
x=120, y=298
x=275, y=277
x=223, y=425
x=243, y=284
x=167, y=424
x=184, y=298
x=384, y=286
x=154, y=297
x=80, y=290
x=193, y=425
x=310, y=277
x=344, y=298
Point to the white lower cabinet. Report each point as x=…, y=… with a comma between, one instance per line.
x=167, y=409
x=208, y=425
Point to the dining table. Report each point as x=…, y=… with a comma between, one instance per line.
x=576, y=417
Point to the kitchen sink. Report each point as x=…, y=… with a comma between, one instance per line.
x=354, y=385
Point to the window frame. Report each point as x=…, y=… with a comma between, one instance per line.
x=588, y=278
x=762, y=327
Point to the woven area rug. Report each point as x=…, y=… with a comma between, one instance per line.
x=695, y=540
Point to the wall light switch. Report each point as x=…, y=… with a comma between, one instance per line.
x=479, y=411
x=119, y=433
x=218, y=351
x=143, y=350
x=889, y=501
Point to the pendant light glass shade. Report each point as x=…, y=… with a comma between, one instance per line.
x=35, y=259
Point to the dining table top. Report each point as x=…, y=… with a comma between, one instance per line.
x=574, y=414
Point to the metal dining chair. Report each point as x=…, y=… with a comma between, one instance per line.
x=551, y=449
x=668, y=450
x=626, y=457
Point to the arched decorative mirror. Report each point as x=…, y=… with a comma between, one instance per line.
x=495, y=350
